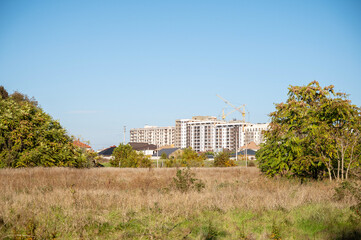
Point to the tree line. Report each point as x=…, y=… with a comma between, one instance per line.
x=125, y=156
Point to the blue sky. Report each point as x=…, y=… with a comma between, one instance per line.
x=97, y=66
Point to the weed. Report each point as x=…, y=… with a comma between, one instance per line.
x=276, y=235
x=185, y=181
x=30, y=229
x=350, y=189
x=251, y=164
x=242, y=234
x=211, y=232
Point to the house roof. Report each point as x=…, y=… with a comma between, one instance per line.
x=142, y=146
x=251, y=145
x=167, y=151
x=166, y=146
x=80, y=144
x=107, y=152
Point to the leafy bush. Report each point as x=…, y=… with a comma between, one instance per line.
x=172, y=162
x=223, y=159
x=126, y=156
x=190, y=158
x=185, y=181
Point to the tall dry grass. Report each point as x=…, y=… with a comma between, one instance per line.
x=64, y=203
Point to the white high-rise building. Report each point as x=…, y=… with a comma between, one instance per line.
x=197, y=133
x=202, y=133
x=181, y=133
x=229, y=135
x=254, y=133
x=209, y=134
x=160, y=136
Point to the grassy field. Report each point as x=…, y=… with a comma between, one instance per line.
x=110, y=203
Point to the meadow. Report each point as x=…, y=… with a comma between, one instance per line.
x=111, y=203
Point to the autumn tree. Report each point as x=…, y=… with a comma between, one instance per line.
x=223, y=159
x=315, y=134
x=191, y=158
x=29, y=137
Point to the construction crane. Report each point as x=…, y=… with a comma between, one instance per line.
x=224, y=115
x=243, y=111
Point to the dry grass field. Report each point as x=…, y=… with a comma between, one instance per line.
x=110, y=203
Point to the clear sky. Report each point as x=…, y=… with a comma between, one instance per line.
x=97, y=66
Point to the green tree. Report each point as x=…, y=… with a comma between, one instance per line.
x=222, y=159
x=191, y=158
x=125, y=156
x=29, y=137
x=305, y=135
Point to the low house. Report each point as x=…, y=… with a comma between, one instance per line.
x=168, y=151
x=251, y=154
x=251, y=145
x=176, y=154
x=146, y=148
x=107, y=152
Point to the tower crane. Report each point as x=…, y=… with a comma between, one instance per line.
x=242, y=110
x=224, y=115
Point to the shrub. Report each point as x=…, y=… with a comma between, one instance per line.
x=126, y=156
x=251, y=163
x=350, y=189
x=185, y=181
x=172, y=162
x=190, y=158
x=222, y=159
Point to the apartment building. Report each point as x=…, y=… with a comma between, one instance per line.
x=159, y=136
x=197, y=133
x=181, y=133
x=229, y=135
x=204, y=133
x=254, y=133
x=201, y=135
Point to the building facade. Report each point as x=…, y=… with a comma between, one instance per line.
x=229, y=136
x=202, y=134
x=159, y=136
x=197, y=133
x=254, y=133
x=210, y=134
x=181, y=133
